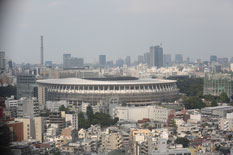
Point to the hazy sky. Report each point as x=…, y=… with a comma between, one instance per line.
x=117, y=28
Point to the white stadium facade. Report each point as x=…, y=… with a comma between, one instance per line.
x=128, y=90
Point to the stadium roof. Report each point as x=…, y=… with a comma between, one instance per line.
x=77, y=81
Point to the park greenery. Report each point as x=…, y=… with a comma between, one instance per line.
x=102, y=119
x=192, y=93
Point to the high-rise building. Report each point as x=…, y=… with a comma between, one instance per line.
x=28, y=107
x=140, y=59
x=2, y=61
x=213, y=58
x=224, y=62
x=179, y=58
x=102, y=60
x=72, y=119
x=147, y=58
x=167, y=59
x=72, y=62
x=25, y=85
x=119, y=62
x=48, y=64
x=128, y=61
x=156, y=56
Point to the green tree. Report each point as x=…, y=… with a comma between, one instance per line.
x=90, y=113
x=214, y=103
x=182, y=140
x=62, y=108
x=224, y=98
x=193, y=102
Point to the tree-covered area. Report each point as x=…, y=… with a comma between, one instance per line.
x=7, y=91
x=189, y=86
x=192, y=88
x=193, y=102
x=182, y=140
x=104, y=120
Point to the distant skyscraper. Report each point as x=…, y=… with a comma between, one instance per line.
x=128, y=61
x=2, y=61
x=231, y=61
x=49, y=64
x=41, y=51
x=213, y=58
x=102, y=60
x=119, y=62
x=156, y=56
x=72, y=62
x=147, y=58
x=167, y=59
x=179, y=58
x=140, y=59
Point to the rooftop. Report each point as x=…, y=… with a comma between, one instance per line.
x=77, y=81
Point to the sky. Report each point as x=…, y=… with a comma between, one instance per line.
x=117, y=28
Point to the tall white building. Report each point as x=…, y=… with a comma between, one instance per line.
x=28, y=107
x=12, y=105
x=72, y=119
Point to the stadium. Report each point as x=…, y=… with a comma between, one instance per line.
x=127, y=90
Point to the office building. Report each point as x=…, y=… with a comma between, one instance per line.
x=2, y=61
x=128, y=61
x=167, y=60
x=147, y=58
x=119, y=62
x=28, y=107
x=48, y=64
x=25, y=85
x=72, y=62
x=156, y=56
x=213, y=58
x=102, y=60
x=140, y=59
x=178, y=58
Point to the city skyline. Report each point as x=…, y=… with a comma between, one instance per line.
x=195, y=29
